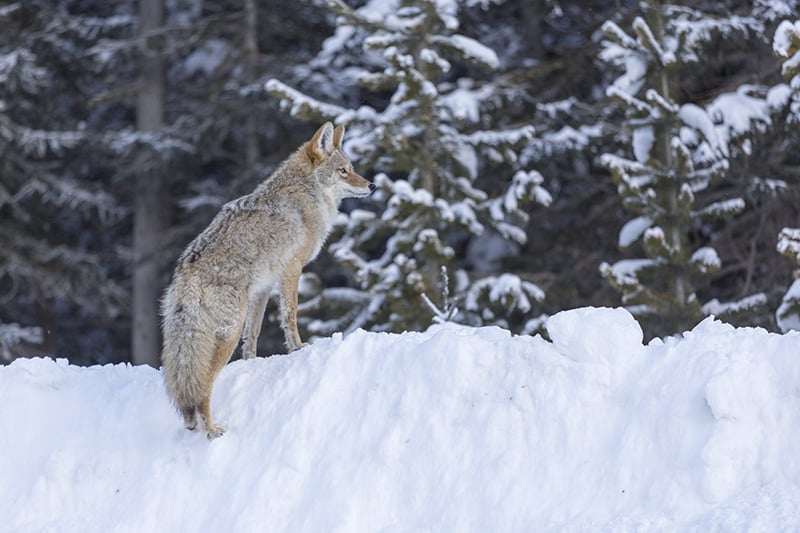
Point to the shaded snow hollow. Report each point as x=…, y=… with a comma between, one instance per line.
x=452, y=429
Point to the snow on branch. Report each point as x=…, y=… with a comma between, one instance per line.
x=722, y=208
x=648, y=40
x=622, y=50
x=771, y=10
x=740, y=113
x=786, y=44
x=698, y=118
x=405, y=21
x=506, y=291
x=511, y=232
x=788, y=313
x=701, y=178
x=301, y=106
x=564, y=140
x=37, y=143
x=434, y=61
x=494, y=138
x=789, y=243
x=617, y=35
x=18, y=70
x=728, y=310
x=8, y=10
x=464, y=102
x=402, y=192
x=524, y=187
x=469, y=50
x=705, y=259
x=65, y=192
x=695, y=29
x=625, y=273
x=106, y=51
x=12, y=335
x=122, y=142
x=346, y=307
x=623, y=166
x=682, y=156
x=666, y=106
x=628, y=100
x=787, y=36
x=656, y=244
x=632, y=230
x=90, y=28
x=348, y=13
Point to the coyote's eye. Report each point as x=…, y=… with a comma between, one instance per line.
x=342, y=171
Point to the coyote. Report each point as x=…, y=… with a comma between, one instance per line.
x=223, y=279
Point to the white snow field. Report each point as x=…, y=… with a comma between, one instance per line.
x=455, y=429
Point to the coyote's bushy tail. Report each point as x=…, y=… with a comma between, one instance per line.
x=186, y=356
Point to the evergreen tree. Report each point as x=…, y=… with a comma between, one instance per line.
x=677, y=155
x=49, y=197
x=432, y=139
x=754, y=121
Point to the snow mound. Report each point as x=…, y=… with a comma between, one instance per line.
x=596, y=334
x=451, y=429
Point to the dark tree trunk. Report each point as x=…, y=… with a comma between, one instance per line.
x=148, y=207
x=252, y=153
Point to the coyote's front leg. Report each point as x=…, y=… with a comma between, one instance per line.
x=289, y=281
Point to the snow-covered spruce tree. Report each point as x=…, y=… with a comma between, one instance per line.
x=786, y=44
x=436, y=190
x=677, y=154
x=49, y=202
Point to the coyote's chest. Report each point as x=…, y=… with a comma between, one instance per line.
x=317, y=226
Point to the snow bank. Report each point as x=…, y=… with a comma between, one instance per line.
x=452, y=429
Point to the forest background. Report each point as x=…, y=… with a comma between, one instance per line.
x=531, y=156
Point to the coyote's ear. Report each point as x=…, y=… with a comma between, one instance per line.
x=338, y=133
x=321, y=144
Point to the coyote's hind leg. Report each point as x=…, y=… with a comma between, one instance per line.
x=256, y=306
x=227, y=339
x=189, y=417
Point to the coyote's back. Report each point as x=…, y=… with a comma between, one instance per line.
x=222, y=280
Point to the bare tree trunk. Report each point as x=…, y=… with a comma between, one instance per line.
x=533, y=13
x=148, y=211
x=676, y=231
x=681, y=287
x=251, y=67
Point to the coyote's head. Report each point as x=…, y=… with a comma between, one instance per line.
x=332, y=167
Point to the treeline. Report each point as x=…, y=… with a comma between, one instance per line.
x=530, y=156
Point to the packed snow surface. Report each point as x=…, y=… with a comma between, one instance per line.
x=452, y=429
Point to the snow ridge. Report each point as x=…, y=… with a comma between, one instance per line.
x=451, y=429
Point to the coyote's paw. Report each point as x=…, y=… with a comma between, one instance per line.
x=189, y=418
x=296, y=347
x=214, y=431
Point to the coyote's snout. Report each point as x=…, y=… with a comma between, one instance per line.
x=222, y=280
